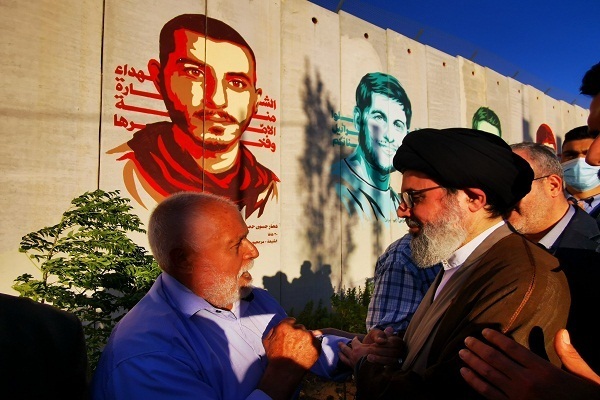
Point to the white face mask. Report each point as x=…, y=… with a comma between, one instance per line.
x=580, y=175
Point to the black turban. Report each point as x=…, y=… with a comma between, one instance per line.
x=462, y=158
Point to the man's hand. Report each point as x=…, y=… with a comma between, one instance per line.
x=381, y=347
x=571, y=359
x=289, y=342
x=503, y=369
x=291, y=350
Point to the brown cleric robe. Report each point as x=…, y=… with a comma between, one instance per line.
x=507, y=283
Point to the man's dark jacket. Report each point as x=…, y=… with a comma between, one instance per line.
x=42, y=352
x=578, y=250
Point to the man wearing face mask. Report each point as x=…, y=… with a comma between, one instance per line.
x=583, y=182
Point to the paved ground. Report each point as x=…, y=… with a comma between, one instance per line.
x=315, y=388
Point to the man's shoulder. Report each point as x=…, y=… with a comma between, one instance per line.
x=23, y=310
x=144, y=138
x=160, y=128
x=519, y=242
x=399, y=248
x=402, y=243
x=356, y=195
x=151, y=132
x=249, y=159
x=154, y=314
x=149, y=329
x=516, y=251
x=581, y=232
x=344, y=175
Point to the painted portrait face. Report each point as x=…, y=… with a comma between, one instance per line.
x=383, y=127
x=210, y=89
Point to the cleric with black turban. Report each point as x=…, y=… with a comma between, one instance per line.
x=468, y=158
x=457, y=186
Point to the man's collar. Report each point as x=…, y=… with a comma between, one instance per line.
x=586, y=203
x=460, y=255
x=550, y=238
x=189, y=303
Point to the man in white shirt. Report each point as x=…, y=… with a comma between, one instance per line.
x=504, y=377
x=545, y=216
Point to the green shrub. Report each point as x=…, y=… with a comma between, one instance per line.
x=348, y=310
x=89, y=266
x=312, y=317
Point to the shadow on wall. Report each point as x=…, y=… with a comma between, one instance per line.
x=526, y=135
x=323, y=225
x=320, y=235
x=294, y=295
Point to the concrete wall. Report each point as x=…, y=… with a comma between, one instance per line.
x=76, y=84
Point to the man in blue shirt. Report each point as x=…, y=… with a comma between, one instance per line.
x=399, y=287
x=202, y=331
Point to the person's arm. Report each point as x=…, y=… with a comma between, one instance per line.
x=329, y=365
x=511, y=371
x=155, y=375
x=338, y=332
x=399, y=287
x=291, y=350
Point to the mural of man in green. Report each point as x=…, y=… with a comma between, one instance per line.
x=382, y=118
x=485, y=119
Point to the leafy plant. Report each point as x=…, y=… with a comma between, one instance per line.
x=313, y=318
x=89, y=266
x=348, y=310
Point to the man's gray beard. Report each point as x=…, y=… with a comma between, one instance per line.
x=439, y=240
x=226, y=290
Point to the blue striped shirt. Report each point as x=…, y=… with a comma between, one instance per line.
x=399, y=287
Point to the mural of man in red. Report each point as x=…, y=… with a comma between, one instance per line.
x=207, y=78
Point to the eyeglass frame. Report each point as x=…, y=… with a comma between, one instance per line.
x=542, y=177
x=406, y=197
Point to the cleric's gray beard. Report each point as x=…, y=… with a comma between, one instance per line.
x=438, y=240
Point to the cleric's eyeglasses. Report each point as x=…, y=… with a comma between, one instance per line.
x=408, y=197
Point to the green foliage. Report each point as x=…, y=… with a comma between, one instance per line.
x=313, y=318
x=89, y=265
x=348, y=310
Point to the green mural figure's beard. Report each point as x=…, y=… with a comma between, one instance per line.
x=370, y=153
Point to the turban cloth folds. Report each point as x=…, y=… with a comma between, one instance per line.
x=463, y=158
